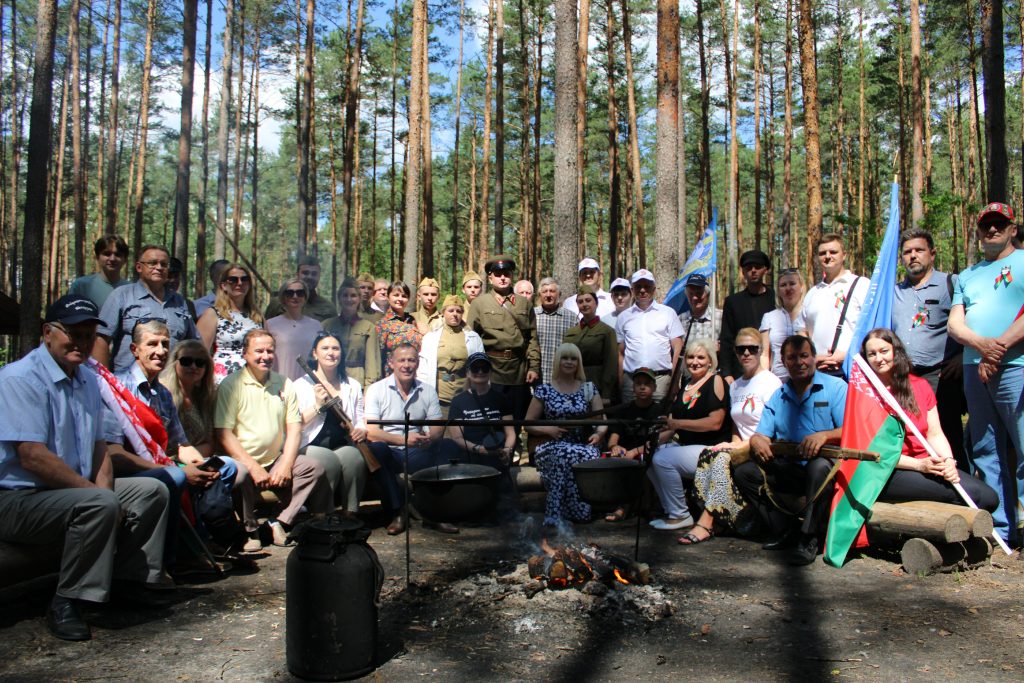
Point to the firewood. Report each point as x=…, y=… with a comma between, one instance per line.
x=908, y=522
x=978, y=521
x=923, y=557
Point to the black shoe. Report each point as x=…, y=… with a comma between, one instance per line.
x=805, y=552
x=138, y=594
x=443, y=527
x=64, y=620
x=785, y=540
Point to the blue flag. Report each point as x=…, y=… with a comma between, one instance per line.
x=877, y=309
x=703, y=260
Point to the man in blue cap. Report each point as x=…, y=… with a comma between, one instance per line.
x=706, y=321
x=57, y=483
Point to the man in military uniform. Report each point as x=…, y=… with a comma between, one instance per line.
x=366, y=311
x=508, y=327
x=316, y=306
x=357, y=334
x=427, y=315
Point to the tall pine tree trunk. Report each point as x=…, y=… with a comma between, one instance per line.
x=455, y=163
x=499, y=128
x=809, y=71
x=565, y=217
x=349, y=146
x=79, y=189
x=110, y=219
x=427, y=249
x=140, y=171
x=483, y=246
x=917, y=116
x=414, y=144
x=995, y=98
x=634, y=140
x=222, y=135
x=583, y=42
x=667, y=122
x=790, y=234
x=201, y=221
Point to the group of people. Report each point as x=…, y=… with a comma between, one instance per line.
x=145, y=412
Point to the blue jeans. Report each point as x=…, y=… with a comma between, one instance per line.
x=392, y=463
x=995, y=422
x=174, y=478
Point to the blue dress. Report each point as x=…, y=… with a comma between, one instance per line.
x=555, y=458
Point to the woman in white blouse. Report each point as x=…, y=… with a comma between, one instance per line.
x=778, y=324
x=323, y=437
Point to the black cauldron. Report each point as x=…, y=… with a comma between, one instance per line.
x=455, y=492
x=609, y=481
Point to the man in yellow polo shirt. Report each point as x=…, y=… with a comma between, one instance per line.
x=257, y=422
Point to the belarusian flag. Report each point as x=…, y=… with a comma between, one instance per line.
x=868, y=426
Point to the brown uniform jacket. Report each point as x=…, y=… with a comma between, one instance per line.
x=600, y=351
x=509, y=335
x=359, y=343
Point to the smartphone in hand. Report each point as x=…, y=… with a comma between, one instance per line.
x=212, y=464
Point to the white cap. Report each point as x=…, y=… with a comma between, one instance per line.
x=642, y=274
x=589, y=263
x=619, y=282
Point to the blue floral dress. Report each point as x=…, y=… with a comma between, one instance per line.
x=555, y=458
x=227, y=346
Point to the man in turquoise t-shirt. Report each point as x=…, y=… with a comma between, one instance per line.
x=986, y=318
x=111, y=253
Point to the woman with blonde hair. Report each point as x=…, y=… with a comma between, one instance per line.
x=778, y=324
x=223, y=325
x=293, y=330
x=698, y=418
x=189, y=377
x=567, y=396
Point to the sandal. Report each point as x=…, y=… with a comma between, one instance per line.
x=617, y=516
x=690, y=538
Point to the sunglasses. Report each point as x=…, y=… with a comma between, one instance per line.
x=752, y=349
x=237, y=279
x=294, y=293
x=480, y=369
x=189, y=361
x=146, y=320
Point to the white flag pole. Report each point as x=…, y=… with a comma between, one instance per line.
x=890, y=400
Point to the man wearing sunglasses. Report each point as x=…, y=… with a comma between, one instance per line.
x=986, y=318
x=56, y=480
x=147, y=299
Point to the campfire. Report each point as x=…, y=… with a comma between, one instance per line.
x=576, y=565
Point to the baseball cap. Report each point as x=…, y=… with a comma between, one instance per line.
x=619, y=283
x=589, y=263
x=697, y=280
x=646, y=372
x=642, y=274
x=476, y=358
x=996, y=209
x=72, y=309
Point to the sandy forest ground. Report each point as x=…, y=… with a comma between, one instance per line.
x=721, y=611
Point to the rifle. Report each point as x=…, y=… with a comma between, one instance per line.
x=788, y=449
x=334, y=404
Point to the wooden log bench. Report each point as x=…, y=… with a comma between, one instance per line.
x=933, y=537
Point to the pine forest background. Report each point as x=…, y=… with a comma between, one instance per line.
x=409, y=138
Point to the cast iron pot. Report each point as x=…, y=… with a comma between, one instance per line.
x=455, y=492
x=609, y=481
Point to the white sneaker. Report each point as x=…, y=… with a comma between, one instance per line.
x=252, y=545
x=669, y=525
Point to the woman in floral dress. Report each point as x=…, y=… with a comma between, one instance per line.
x=223, y=325
x=568, y=396
x=397, y=326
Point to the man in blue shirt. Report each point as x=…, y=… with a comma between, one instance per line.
x=57, y=483
x=147, y=299
x=151, y=347
x=808, y=409
x=986, y=317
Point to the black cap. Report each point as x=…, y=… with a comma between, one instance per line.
x=755, y=257
x=697, y=280
x=476, y=358
x=175, y=266
x=72, y=309
x=500, y=262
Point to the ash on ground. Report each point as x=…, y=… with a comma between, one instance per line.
x=514, y=590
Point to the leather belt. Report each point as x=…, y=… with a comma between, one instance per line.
x=507, y=354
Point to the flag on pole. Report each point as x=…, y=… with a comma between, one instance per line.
x=867, y=425
x=877, y=309
x=703, y=259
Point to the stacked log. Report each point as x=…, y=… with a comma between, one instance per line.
x=935, y=537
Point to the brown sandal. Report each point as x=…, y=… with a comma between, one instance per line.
x=617, y=516
x=690, y=538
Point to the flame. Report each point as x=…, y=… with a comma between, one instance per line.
x=619, y=577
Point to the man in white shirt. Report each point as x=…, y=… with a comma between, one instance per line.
x=590, y=275
x=649, y=336
x=832, y=307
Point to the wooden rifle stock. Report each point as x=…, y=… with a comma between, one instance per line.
x=788, y=449
x=372, y=464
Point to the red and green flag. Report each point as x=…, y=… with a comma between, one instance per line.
x=867, y=425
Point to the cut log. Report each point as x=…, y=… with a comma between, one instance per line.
x=978, y=521
x=888, y=520
x=923, y=557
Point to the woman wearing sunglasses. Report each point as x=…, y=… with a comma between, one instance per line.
x=223, y=325
x=293, y=331
x=189, y=378
x=713, y=479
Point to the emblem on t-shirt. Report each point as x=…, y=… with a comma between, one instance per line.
x=920, y=317
x=749, y=402
x=692, y=400
x=840, y=299
x=1005, y=277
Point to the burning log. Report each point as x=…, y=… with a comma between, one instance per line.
x=577, y=565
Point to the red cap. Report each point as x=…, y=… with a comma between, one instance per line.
x=996, y=209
